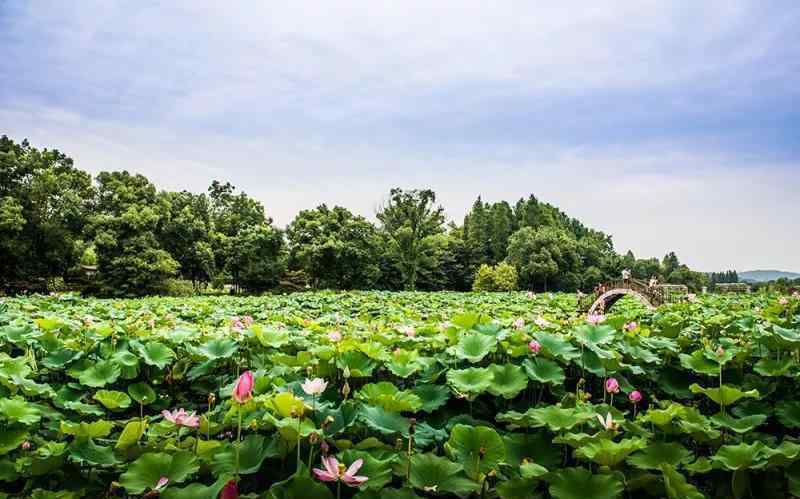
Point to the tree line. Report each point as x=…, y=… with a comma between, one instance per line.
x=58, y=224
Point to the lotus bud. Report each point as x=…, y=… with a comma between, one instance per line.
x=26, y=445
x=324, y=447
x=254, y=425
x=346, y=389
x=211, y=399
x=328, y=421
x=313, y=438
x=346, y=372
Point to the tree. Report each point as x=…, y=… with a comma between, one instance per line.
x=335, y=248
x=258, y=258
x=670, y=263
x=186, y=235
x=129, y=217
x=545, y=258
x=411, y=219
x=44, y=202
x=500, y=277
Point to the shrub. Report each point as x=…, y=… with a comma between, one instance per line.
x=501, y=277
x=178, y=287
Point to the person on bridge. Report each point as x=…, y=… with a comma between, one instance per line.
x=653, y=282
x=626, y=276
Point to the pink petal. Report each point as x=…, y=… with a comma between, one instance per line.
x=353, y=469
x=355, y=481
x=332, y=465
x=324, y=475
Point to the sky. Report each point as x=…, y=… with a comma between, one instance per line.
x=672, y=125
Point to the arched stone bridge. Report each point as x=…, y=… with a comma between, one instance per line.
x=609, y=293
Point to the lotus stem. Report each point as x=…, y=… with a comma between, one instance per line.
x=238, y=442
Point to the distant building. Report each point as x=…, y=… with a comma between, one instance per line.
x=732, y=287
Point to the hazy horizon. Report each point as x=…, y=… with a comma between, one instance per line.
x=671, y=126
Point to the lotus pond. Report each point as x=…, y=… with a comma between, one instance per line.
x=397, y=396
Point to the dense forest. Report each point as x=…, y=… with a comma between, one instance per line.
x=118, y=235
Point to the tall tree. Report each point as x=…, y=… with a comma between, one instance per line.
x=545, y=258
x=411, y=219
x=335, y=248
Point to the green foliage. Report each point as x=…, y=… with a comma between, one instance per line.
x=501, y=277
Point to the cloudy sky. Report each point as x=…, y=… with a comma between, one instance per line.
x=673, y=125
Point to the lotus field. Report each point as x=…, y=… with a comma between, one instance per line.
x=397, y=396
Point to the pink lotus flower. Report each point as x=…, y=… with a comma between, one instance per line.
x=691, y=297
x=335, y=471
x=410, y=331
x=151, y=323
x=247, y=321
x=783, y=300
x=612, y=385
x=26, y=445
x=180, y=417
x=335, y=336
x=635, y=396
x=595, y=319
x=630, y=326
x=243, y=391
x=542, y=323
x=162, y=482
x=796, y=295
x=519, y=323
x=314, y=386
x=531, y=295
x=230, y=490
x=534, y=347
x=236, y=323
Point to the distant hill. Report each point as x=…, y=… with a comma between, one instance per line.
x=766, y=275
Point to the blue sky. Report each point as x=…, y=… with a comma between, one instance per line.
x=670, y=124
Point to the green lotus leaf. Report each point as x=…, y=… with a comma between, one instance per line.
x=218, y=349
x=557, y=346
x=726, y=395
x=299, y=486
x=533, y=447
x=699, y=363
x=508, y=380
x=467, y=320
x=195, y=490
x=518, y=488
x=658, y=453
x=664, y=417
x=85, y=451
x=775, y=367
x=125, y=358
x=787, y=337
x=609, y=453
x=475, y=346
x=532, y=470
x=432, y=396
x=19, y=410
x=554, y=417
x=254, y=449
x=131, y=434
x=142, y=393
x=113, y=399
x=49, y=323
x=480, y=448
x=579, y=483
x=470, y=382
x=100, y=374
x=379, y=471
x=84, y=409
x=386, y=395
x=360, y=365
x=403, y=369
x=343, y=417
x=544, y=371
x=10, y=439
x=594, y=335
x=384, y=421
x=701, y=466
x=676, y=485
x=286, y=405
x=788, y=412
x=406, y=493
x=740, y=457
x=155, y=354
x=740, y=425
x=95, y=429
x=275, y=338
x=432, y=473
x=785, y=454
x=675, y=382
x=58, y=359
x=145, y=472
